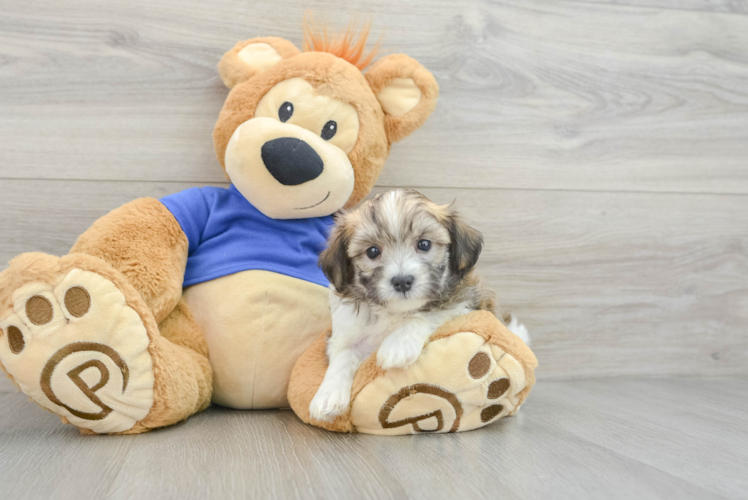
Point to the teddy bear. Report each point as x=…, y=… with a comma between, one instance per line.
x=213, y=295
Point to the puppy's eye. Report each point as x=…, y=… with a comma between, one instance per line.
x=424, y=245
x=285, y=111
x=329, y=130
x=373, y=252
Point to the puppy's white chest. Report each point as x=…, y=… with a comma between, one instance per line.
x=364, y=328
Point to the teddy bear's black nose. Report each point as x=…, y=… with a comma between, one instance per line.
x=291, y=161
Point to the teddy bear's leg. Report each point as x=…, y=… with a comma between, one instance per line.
x=472, y=372
x=183, y=378
x=81, y=336
x=80, y=341
x=143, y=241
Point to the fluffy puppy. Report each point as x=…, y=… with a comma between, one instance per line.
x=399, y=267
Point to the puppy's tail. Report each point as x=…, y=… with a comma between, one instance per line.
x=517, y=328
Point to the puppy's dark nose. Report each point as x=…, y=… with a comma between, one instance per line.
x=291, y=161
x=402, y=283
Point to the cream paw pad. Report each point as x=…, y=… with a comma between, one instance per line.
x=458, y=383
x=77, y=349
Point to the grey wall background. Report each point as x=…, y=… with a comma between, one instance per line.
x=601, y=147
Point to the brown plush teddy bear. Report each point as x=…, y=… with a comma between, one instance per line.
x=213, y=294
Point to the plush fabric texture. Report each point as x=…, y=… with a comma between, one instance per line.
x=260, y=323
x=399, y=96
x=317, y=38
x=226, y=235
x=178, y=372
x=103, y=383
x=399, y=66
x=234, y=70
x=329, y=75
x=310, y=107
x=144, y=242
x=472, y=372
x=264, y=161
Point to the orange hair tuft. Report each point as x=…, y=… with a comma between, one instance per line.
x=316, y=39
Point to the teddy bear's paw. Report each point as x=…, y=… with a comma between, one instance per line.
x=459, y=383
x=79, y=350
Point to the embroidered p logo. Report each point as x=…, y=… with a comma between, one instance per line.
x=75, y=376
x=405, y=393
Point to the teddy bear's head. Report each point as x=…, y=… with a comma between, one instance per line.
x=304, y=134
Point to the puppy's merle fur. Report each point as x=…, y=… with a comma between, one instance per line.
x=399, y=267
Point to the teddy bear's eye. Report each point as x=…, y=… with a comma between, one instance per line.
x=285, y=112
x=329, y=130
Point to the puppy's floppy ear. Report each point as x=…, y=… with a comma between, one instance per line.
x=406, y=91
x=252, y=57
x=465, y=247
x=334, y=260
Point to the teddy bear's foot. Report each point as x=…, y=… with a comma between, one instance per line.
x=459, y=383
x=73, y=344
x=473, y=371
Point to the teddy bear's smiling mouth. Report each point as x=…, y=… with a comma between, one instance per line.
x=318, y=203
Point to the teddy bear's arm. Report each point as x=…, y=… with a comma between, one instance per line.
x=143, y=241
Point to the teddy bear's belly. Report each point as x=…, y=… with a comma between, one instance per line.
x=257, y=324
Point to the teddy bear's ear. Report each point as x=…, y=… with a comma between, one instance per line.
x=253, y=56
x=406, y=91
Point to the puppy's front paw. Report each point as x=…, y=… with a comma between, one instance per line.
x=399, y=351
x=329, y=402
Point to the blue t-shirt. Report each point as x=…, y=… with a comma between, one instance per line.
x=227, y=235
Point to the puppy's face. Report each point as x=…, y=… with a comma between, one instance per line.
x=400, y=251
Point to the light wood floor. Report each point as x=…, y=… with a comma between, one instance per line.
x=600, y=145
x=586, y=439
